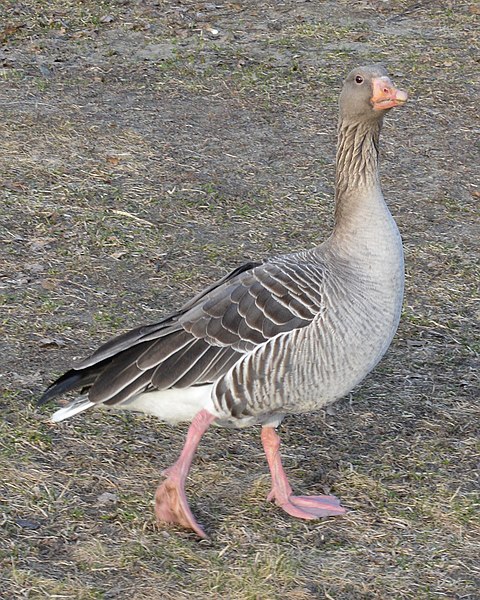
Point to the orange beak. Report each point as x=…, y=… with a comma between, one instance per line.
x=385, y=94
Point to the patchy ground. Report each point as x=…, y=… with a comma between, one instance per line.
x=146, y=148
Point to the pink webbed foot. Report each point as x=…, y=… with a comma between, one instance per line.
x=302, y=507
x=309, y=507
x=171, y=506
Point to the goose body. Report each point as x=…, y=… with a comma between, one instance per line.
x=286, y=335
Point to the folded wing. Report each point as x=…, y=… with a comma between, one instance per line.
x=207, y=336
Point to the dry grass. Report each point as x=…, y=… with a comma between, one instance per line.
x=143, y=156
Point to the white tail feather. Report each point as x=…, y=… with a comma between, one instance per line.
x=71, y=409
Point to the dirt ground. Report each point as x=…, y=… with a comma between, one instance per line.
x=148, y=147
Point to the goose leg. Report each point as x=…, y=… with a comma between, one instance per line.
x=171, y=504
x=302, y=507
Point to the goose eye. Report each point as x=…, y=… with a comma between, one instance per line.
x=359, y=79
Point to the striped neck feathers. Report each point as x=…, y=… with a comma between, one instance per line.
x=357, y=164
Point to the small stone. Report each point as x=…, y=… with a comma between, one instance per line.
x=45, y=71
x=213, y=32
x=48, y=342
x=27, y=524
x=35, y=268
x=156, y=52
x=107, y=498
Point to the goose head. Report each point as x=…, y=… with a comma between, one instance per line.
x=368, y=93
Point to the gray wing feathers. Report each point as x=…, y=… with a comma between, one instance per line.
x=162, y=349
x=211, y=333
x=269, y=299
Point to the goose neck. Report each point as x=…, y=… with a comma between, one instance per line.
x=357, y=179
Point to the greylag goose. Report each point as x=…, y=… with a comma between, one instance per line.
x=285, y=335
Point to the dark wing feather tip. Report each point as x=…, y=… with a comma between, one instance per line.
x=69, y=381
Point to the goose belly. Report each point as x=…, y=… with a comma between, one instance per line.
x=174, y=405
